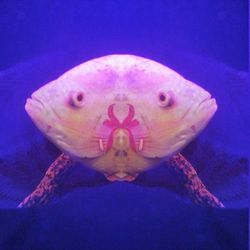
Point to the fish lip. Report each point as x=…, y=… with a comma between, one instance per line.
x=208, y=103
x=33, y=104
x=206, y=99
x=36, y=98
x=35, y=107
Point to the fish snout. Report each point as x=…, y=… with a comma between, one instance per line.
x=33, y=106
x=208, y=104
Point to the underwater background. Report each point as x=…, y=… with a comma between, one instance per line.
x=206, y=42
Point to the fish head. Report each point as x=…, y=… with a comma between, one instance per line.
x=122, y=103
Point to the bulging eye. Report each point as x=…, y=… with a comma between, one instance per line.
x=77, y=99
x=165, y=99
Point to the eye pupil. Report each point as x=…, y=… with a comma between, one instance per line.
x=79, y=97
x=162, y=97
x=165, y=99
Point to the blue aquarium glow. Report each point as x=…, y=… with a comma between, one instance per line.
x=146, y=159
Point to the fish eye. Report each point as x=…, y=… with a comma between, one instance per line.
x=77, y=99
x=165, y=99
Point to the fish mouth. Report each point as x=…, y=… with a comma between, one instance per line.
x=208, y=104
x=34, y=105
x=207, y=98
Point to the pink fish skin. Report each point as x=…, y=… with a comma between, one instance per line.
x=121, y=114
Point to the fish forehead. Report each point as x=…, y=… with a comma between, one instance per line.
x=121, y=72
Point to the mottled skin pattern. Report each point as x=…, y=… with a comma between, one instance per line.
x=121, y=115
x=46, y=188
x=195, y=189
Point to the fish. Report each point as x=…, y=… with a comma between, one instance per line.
x=121, y=114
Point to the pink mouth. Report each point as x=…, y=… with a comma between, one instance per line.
x=128, y=123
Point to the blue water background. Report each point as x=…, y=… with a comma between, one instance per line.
x=205, y=41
